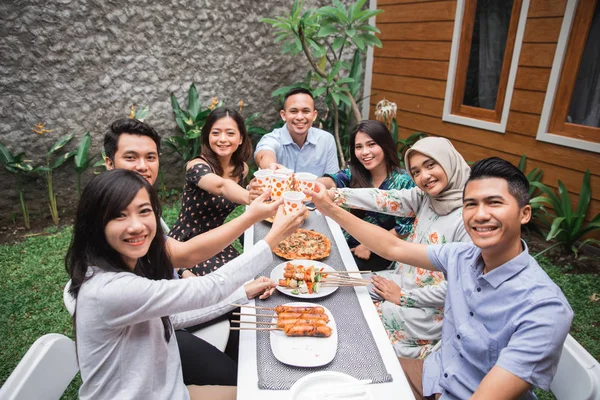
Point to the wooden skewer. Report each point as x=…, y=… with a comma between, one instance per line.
x=257, y=307
x=254, y=328
x=254, y=322
x=255, y=315
x=345, y=272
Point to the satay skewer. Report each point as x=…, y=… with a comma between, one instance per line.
x=293, y=330
x=282, y=308
x=345, y=272
x=324, y=317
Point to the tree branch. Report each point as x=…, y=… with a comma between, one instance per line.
x=336, y=134
x=307, y=53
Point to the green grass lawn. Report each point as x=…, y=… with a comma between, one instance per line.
x=32, y=277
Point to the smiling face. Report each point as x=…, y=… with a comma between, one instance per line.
x=368, y=152
x=136, y=153
x=131, y=233
x=299, y=114
x=493, y=218
x=427, y=173
x=224, y=137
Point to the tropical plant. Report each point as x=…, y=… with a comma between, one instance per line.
x=15, y=164
x=535, y=175
x=322, y=35
x=51, y=164
x=255, y=132
x=81, y=159
x=190, y=123
x=405, y=144
x=566, y=225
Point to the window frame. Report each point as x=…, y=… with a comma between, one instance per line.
x=456, y=112
x=553, y=127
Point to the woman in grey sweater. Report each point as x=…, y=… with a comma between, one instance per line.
x=127, y=304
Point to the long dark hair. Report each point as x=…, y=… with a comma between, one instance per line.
x=101, y=201
x=361, y=177
x=243, y=152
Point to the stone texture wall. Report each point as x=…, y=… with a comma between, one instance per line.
x=79, y=64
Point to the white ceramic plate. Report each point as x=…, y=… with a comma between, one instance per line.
x=277, y=274
x=313, y=386
x=305, y=351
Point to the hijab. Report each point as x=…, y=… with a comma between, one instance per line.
x=454, y=165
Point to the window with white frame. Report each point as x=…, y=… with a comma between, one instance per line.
x=571, y=112
x=485, y=51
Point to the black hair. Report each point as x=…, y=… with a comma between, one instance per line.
x=297, y=90
x=101, y=201
x=360, y=176
x=131, y=126
x=494, y=167
x=242, y=153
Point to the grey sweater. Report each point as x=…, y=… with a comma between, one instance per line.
x=120, y=337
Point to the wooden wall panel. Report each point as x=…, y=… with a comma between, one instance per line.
x=532, y=78
x=527, y=101
x=413, y=12
x=417, y=31
x=403, y=84
x=412, y=103
x=537, y=54
x=542, y=30
x=385, y=2
x=547, y=8
x=416, y=50
x=417, y=68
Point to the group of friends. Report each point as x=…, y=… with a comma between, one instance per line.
x=469, y=312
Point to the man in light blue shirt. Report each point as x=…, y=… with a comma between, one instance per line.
x=505, y=320
x=297, y=145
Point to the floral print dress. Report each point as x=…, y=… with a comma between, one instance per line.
x=200, y=212
x=415, y=326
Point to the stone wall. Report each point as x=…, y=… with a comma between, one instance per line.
x=79, y=64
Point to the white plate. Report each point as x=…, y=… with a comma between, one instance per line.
x=313, y=386
x=277, y=274
x=305, y=351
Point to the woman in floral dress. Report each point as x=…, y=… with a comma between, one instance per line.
x=373, y=163
x=214, y=182
x=410, y=300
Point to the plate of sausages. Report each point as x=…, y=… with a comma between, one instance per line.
x=303, y=279
x=306, y=335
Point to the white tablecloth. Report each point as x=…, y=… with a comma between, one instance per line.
x=247, y=387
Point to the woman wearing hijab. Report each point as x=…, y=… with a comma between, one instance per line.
x=410, y=299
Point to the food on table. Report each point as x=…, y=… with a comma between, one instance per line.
x=282, y=323
x=302, y=280
x=299, y=309
x=290, y=315
x=307, y=330
x=304, y=244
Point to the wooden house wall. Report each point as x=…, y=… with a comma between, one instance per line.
x=412, y=67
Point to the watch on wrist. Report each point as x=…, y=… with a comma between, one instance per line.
x=180, y=272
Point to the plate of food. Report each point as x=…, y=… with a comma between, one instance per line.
x=329, y=383
x=303, y=279
x=306, y=338
x=304, y=244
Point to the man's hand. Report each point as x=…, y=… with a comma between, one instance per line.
x=361, y=251
x=321, y=198
x=262, y=287
x=387, y=289
x=274, y=166
x=260, y=210
x=255, y=189
x=284, y=225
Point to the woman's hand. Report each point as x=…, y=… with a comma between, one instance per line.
x=260, y=210
x=321, y=198
x=361, y=251
x=284, y=225
x=387, y=289
x=262, y=287
x=255, y=189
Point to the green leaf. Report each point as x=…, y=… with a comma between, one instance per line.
x=319, y=91
x=334, y=71
x=335, y=97
x=356, y=10
x=359, y=43
x=356, y=74
x=365, y=15
x=60, y=160
x=194, y=105
x=338, y=42
x=6, y=156
x=368, y=28
x=565, y=201
x=82, y=150
x=555, y=228
x=281, y=37
x=333, y=13
x=369, y=39
x=344, y=98
x=351, y=32
x=60, y=143
x=327, y=30
x=522, y=163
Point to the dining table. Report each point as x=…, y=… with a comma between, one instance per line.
x=364, y=350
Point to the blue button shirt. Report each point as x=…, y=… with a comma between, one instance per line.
x=514, y=317
x=318, y=155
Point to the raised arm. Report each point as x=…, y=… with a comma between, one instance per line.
x=220, y=186
x=265, y=159
x=402, y=203
x=377, y=239
x=204, y=246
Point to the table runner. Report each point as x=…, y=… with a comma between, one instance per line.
x=357, y=353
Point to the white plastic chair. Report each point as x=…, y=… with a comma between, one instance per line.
x=44, y=372
x=215, y=334
x=578, y=374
